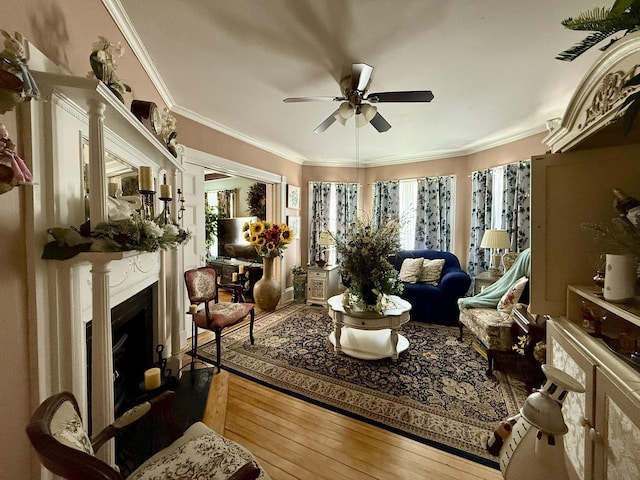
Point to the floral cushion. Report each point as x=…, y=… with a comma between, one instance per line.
x=66, y=426
x=511, y=297
x=490, y=326
x=410, y=270
x=200, y=453
x=431, y=271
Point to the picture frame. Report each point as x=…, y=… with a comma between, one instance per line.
x=293, y=197
x=294, y=224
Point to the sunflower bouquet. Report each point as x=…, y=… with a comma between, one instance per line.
x=269, y=239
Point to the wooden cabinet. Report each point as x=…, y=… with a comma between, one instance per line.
x=322, y=283
x=604, y=422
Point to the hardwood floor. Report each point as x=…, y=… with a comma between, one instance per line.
x=294, y=439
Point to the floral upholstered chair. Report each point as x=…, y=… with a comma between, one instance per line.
x=58, y=435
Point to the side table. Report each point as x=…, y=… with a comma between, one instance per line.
x=322, y=283
x=483, y=280
x=525, y=324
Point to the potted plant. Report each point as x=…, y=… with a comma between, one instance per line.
x=299, y=284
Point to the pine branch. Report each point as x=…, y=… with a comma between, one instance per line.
x=578, y=49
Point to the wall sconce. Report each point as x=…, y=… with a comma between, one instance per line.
x=181, y=209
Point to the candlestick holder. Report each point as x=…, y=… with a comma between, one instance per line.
x=166, y=212
x=147, y=210
x=181, y=209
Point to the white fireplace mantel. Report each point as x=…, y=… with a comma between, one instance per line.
x=63, y=294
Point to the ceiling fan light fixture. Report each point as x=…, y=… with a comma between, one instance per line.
x=345, y=111
x=367, y=112
x=341, y=120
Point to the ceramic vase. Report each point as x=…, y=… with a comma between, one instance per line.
x=266, y=291
x=620, y=278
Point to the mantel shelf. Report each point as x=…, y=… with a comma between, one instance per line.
x=118, y=118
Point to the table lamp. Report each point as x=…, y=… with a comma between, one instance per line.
x=495, y=240
x=326, y=240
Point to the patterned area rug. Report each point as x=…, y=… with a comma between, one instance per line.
x=437, y=392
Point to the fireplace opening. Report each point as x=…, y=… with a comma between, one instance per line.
x=132, y=348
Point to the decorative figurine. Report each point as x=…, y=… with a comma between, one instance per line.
x=14, y=61
x=13, y=170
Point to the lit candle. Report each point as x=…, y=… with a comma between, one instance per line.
x=241, y=268
x=145, y=179
x=152, y=378
x=165, y=191
x=234, y=277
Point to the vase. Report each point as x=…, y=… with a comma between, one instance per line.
x=620, y=278
x=266, y=291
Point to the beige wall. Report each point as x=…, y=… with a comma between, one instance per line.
x=64, y=31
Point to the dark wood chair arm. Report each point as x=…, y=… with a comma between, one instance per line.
x=249, y=471
x=161, y=404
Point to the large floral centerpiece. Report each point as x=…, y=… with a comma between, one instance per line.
x=364, y=260
x=269, y=239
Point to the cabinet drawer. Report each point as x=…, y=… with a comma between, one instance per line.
x=321, y=275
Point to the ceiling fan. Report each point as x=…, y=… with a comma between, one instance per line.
x=356, y=100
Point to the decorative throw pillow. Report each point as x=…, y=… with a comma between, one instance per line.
x=431, y=271
x=410, y=269
x=511, y=297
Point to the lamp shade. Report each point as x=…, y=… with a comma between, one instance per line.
x=495, y=239
x=325, y=238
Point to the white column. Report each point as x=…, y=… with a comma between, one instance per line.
x=102, y=401
x=97, y=165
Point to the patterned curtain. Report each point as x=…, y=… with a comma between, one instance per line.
x=347, y=207
x=433, y=213
x=481, y=199
x=386, y=201
x=319, y=214
x=516, y=208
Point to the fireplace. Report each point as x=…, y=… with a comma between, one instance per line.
x=133, y=348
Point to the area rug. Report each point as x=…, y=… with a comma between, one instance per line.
x=437, y=392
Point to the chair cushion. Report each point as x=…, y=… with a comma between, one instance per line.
x=410, y=269
x=222, y=314
x=490, y=326
x=511, y=296
x=431, y=271
x=66, y=427
x=200, y=453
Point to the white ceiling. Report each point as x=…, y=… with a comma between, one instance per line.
x=490, y=64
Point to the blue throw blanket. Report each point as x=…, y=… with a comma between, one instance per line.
x=491, y=295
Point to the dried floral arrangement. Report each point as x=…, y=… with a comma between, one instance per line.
x=364, y=260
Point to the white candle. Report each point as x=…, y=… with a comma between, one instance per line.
x=152, y=378
x=145, y=179
x=165, y=191
x=234, y=277
x=241, y=268
x=193, y=308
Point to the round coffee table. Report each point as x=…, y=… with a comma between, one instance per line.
x=368, y=335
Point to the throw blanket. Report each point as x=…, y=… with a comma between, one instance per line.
x=491, y=295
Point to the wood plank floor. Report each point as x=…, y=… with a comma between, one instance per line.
x=293, y=439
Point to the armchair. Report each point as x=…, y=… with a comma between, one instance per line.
x=202, y=288
x=57, y=433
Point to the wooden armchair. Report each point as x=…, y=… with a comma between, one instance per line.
x=202, y=288
x=57, y=433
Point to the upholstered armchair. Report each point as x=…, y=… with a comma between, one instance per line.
x=59, y=437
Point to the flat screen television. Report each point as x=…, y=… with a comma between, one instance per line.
x=231, y=242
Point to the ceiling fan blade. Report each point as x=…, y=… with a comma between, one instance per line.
x=313, y=99
x=379, y=123
x=360, y=76
x=327, y=123
x=409, y=96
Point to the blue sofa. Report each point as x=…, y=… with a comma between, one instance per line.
x=435, y=303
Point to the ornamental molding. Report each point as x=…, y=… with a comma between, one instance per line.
x=609, y=95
